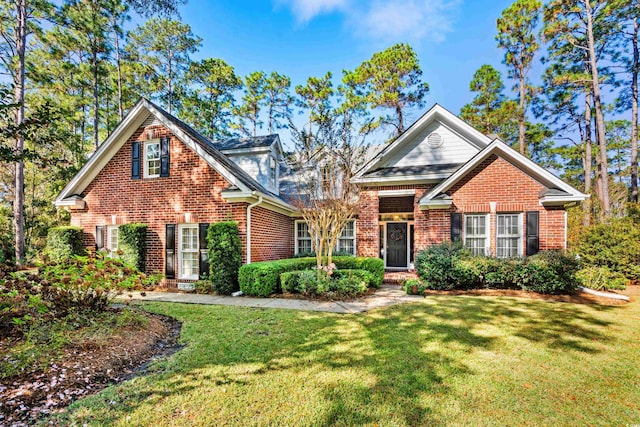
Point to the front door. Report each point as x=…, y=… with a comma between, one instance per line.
x=397, y=244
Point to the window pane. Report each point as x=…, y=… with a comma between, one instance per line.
x=303, y=230
x=475, y=225
x=348, y=230
x=476, y=245
x=153, y=151
x=346, y=245
x=189, y=264
x=304, y=245
x=113, y=238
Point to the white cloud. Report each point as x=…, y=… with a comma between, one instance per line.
x=305, y=10
x=384, y=20
x=411, y=20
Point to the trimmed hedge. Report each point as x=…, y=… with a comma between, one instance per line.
x=64, y=242
x=341, y=284
x=132, y=241
x=602, y=279
x=448, y=267
x=263, y=278
x=225, y=256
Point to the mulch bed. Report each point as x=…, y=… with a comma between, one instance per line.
x=85, y=370
x=579, y=298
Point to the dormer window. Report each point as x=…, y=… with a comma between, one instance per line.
x=273, y=176
x=152, y=159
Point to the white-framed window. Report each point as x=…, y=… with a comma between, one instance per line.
x=508, y=235
x=476, y=233
x=152, y=159
x=303, y=238
x=347, y=240
x=272, y=171
x=112, y=238
x=188, y=251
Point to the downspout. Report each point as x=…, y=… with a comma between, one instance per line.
x=252, y=205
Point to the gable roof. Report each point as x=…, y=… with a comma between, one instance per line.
x=437, y=112
x=238, y=178
x=556, y=192
x=263, y=141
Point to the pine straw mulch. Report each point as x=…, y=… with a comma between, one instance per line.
x=632, y=291
x=85, y=368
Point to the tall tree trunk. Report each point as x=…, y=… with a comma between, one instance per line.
x=270, y=117
x=18, y=198
x=118, y=69
x=634, y=112
x=96, y=101
x=169, y=88
x=600, y=128
x=521, y=142
x=400, y=120
x=588, y=157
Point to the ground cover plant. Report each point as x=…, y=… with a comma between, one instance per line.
x=444, y=360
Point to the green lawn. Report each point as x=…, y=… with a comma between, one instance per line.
x=447, y=360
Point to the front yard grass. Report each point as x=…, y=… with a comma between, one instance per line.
x=447, y=360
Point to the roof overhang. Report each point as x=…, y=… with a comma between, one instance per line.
x=399, y=180
x=525, y=164
x=269, y=202
x=72, y=202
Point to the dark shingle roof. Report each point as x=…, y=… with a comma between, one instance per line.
x=244, y=143
x=413, y=170
x=210, y=149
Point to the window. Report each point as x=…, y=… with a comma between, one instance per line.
x=303, y=238
x=347, y=240
x=188, y=251
x=475, y=233
x=151, y=159
x=508, y=236
x=112, y=238
x=272, y=171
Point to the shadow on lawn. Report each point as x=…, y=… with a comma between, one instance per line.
x=405, y=352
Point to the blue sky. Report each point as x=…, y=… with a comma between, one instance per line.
x=303, y=38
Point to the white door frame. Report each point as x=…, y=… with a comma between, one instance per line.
x=384, y=242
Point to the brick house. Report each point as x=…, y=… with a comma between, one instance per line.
x=440, y=180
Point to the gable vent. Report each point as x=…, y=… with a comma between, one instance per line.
x=435, y=140
x=151, y=121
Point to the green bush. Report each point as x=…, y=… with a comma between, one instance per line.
x=290, y=281
x=409, y=285
x=225, y=256
x=602, y=279
x=263, y=278
x=132, y=241
x=348, y=285
x=448, y=267
x=64, y=242
x=549, y=272
x=357, y=274
x=341, y=284
x=613, y=245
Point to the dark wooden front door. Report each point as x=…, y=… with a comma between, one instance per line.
x=397, y=244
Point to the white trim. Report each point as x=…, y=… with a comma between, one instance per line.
x=561, y=200
x=354, y=238
x=566, y=223
x=73, y=202
x=384, y=243
x=520, y=232
x=295, y=237
x=195, y=251
x=436, y=204
x=398, y=180
x=109, y=242
x=487, y=227
x=509, y=154
x=437, y=112
x=396, y=193
x=145, y=168
x=302, y=221
x=270, y=202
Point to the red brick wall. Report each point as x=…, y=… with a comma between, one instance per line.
x=271, y=235
x=396, y=204
x=193, y=188
x=495, y=180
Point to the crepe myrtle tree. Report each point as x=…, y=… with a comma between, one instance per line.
x=325, y=195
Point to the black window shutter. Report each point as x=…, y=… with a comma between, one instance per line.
x=204, y=249
x=456, y=227
x=164, y=157
x=533, y=233
x=170, y=252
x=135, y=160
x=99, y=237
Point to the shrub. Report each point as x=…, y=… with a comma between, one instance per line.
x=549, y=272
x=414, y=286
x=438, y=266
x=263, y=278
x=341, y=284
x=613, y=245
x=225, y=256
x=363, y=275
x=132, y=241
x=602, y=279
x=290, y=281
x=348, y=285
x=64, y=242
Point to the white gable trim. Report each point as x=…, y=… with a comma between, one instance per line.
x=133, y=120
x=525, y=164
x=437, y=112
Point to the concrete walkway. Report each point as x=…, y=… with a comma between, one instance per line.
x=383, y=297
